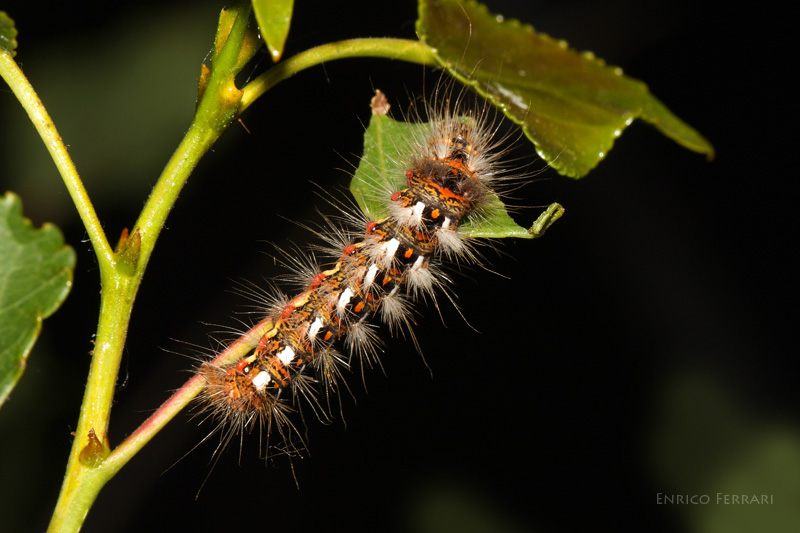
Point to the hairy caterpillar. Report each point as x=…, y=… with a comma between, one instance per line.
x=423, y=201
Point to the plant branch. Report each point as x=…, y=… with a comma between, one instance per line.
x=41, y=120
x=180, y=399
x=403, y=49
x=216, y=109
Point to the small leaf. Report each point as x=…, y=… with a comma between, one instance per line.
x=274, y=18
x=127, y=251
x=226, y=19
x=572, y=106
x=8, y=33
x=205, y=75
x=94, y=453
x=35, y=277
x=553, y=212
x=381, y=171
x=248, y=47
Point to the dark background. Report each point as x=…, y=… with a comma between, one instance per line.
x=641, y=348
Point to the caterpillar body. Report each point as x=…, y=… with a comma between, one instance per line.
x=450, y=168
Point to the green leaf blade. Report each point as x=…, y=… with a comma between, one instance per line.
x=35, y=278
x=8, y=33
x=274, y=18
x=571, y=105
x=380, y=166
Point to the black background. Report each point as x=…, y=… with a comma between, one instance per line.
x=641, y=348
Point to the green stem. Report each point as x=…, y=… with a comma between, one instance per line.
x=216, y=110
x=403, y=49
x=83, y=482
x=30, y=101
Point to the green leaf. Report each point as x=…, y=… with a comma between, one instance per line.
x=274, y=18
x=35, y=277
x=8, y=33
x=381, y=172
x=128, y=252
x=571, y=105
x=248, y=42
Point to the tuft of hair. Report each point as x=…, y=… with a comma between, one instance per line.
x=232, y=417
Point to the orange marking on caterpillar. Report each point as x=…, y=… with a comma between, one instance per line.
x=278, y=371
x=316, y=280
x=262, y=344
x=447, y=194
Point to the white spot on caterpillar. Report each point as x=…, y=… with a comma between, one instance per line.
x=390, y=248
x=344, y=299
x=286, y=355
x=369, y=278
x=261, y=380
x=314, y=329
x=416, y=217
